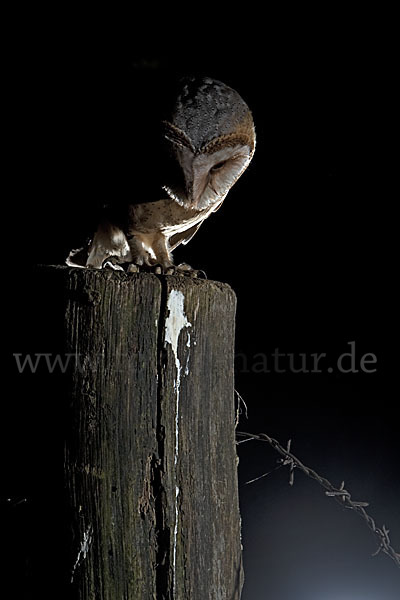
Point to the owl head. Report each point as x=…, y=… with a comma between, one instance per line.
x=211, y=140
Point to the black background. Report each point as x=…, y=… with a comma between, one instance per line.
x=305, y=238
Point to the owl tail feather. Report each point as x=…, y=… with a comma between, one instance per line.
x=109, y=241
x=77, y=257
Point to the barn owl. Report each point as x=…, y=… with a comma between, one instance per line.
x=210, y=141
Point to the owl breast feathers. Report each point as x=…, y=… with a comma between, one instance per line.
x=210, y=140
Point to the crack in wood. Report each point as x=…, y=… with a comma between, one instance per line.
x=163, y=534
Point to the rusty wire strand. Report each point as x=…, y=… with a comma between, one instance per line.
x=340, y=495
x=239, y=408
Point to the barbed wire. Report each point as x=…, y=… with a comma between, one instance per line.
x=341, y=495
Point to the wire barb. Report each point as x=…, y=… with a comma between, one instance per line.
x=340, y=494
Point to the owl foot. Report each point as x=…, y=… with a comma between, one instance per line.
x=156, y=269
x=185, y=270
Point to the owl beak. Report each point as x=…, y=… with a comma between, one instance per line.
x=196, y=181
x=188, y=179
x=189, y=192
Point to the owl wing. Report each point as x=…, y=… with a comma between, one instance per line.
x=183, y=237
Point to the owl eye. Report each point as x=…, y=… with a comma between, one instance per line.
x=218, y=166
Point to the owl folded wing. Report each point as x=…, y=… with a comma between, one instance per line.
x=183, y=237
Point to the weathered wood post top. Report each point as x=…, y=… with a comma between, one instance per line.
x=150, y=456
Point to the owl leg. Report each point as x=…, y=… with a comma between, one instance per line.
x=162, y=252
x=108, y=241
x=149, y=250
x=140, y=251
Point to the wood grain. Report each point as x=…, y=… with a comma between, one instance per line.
x=150, y=466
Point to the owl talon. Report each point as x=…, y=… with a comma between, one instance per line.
x=132, y=268
x=112, y=263
x=188, y=271
x=156, y=269
x=200, y=274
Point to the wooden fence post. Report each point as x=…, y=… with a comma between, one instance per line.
x=150, y=462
